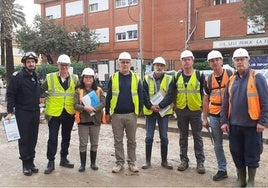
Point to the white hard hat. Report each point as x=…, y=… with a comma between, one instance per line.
x=159, y=60
x=214, y=54
x=187, y=53
x=64, y=59
x=240, y=52
x=88, y=72
x=124, y=55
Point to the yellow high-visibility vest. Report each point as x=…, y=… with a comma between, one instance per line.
x=164, y=85
x=58, y=98
x=134, y=91
x=189, y=96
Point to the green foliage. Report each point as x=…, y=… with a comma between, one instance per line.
x=202, y=65
x=48, y=38
x=252, y=9
x=3, y=71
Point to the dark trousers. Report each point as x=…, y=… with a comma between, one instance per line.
x=28, y=125
x=66, y=121
x=245, y=146
x=184, y=118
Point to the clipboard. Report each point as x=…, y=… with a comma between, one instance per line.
x=11, y=129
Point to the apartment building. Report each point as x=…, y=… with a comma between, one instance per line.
x=151, y=28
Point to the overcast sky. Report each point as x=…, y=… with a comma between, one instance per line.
x=30, y=9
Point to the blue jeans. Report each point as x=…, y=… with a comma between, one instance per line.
x=162, y=126
x=217, y=135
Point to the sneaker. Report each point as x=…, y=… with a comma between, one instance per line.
x=183, y=166
x=220, y=176
x=133, y=168
x=200, y=168
x=117, y=168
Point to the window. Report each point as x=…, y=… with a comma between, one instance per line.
x=212, y=28
x=120, y=36
x=98, y=5
x=93, y=7
x=220, y=2
x=124, y=3
x=127, y=32
x=102, y=35
x=53, y=12
x=74, y=8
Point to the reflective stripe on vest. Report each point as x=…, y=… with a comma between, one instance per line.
x=164, y=85
x=217, y=92
x=188, y=96
x=58, y=98
x=254, y=109
x=134, y=91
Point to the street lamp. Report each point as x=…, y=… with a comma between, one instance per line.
x=185, y=34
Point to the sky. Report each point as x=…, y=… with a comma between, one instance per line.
x=30, y=9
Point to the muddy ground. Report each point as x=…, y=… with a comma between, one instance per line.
x=11, y=170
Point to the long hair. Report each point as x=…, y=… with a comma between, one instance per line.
x=81, y=84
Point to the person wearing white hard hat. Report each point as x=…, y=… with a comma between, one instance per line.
x=88, y=117
x=58, y=93
x=244, y=115
x=213, y=95
x=123, y=104
x=187, y=90
x=156, y=82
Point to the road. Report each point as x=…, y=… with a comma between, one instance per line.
x=11, y=170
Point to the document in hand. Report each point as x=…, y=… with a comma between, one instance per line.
x=158, y=97
x=11, y=129
x=91, y=99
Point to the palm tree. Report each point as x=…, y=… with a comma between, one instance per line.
x=18, y=18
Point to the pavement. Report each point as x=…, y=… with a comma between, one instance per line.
x=172, y=127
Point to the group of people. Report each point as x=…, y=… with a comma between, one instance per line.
x=230, y=101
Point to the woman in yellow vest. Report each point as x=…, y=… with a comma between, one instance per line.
x=244, y=114
x=157, y=82
x=89, y=101
x=59, y=89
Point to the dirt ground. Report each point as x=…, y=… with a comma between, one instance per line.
x=11, y=170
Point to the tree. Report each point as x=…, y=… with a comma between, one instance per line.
x=253, y=9
x=47, y=38
x=18, y=18
x=6, y=22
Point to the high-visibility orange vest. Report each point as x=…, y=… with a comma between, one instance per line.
x=217, y=92
x=254, y=108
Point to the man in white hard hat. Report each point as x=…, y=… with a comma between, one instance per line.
x=187, y=89
x=213, y=95
x=244, y=114
x=156, y=82
x=123, y=104
x=58, y=91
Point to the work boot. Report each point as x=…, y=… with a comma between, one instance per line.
x=66, y=163
x=241, y=181
x=93, y=155
x=133, y=168
x=26, y=169
x=251, y=177
x=33, y=167
x=148, y=152
x=50, y=167
x=83, y=157
x=183, y=165
x=117, y=168
x=220, y=175
x=164, y=162
x=200, y=168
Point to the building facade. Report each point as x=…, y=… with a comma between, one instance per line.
x=151, y=28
